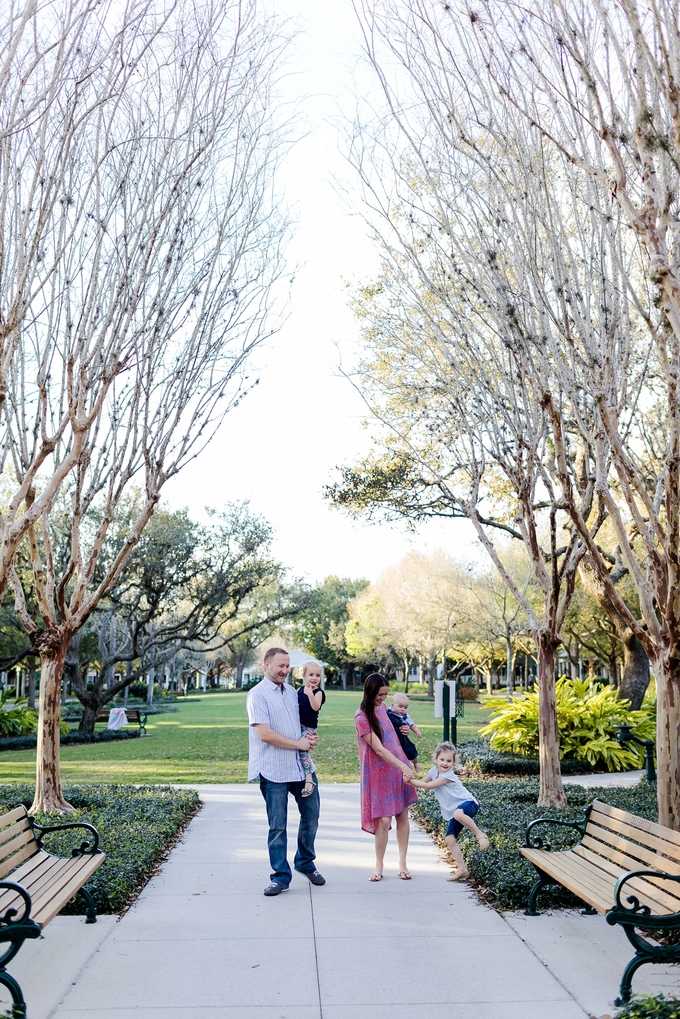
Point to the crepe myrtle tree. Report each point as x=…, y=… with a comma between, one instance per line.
x=65, y=67
x=164, y=257
x=485, y=243
x=600, y=85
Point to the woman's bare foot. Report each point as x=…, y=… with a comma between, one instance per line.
x=309, y=787
x=483, y=841
x=404, y=875
x=459, y=875
x=375, y=877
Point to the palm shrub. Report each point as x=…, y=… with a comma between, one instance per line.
x=587, y=716
x=19, y=720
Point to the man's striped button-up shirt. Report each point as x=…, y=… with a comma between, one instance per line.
x=276, y=706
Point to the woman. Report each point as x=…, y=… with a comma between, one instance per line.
x=384, y=767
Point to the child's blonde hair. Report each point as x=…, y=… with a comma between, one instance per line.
x=398, y=693
x=446, y=748
x=318, y=665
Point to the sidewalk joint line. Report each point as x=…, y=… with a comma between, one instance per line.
x=546, y=965
x=316, y=954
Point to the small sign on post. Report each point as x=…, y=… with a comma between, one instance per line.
x=445, y=705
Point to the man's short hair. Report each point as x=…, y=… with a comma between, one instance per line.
x=270, y=652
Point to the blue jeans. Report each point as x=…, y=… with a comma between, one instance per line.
x=276, y=799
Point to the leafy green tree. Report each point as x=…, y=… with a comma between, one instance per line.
x=185, y=587
x=320, y=627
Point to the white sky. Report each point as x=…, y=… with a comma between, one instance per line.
x=280, y=447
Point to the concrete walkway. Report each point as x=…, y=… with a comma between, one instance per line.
x=203, y=943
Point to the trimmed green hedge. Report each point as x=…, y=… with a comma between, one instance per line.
x=657, y=1006
x=69, y=739
x=137, y=826
x=477, y=755
x=506, y=806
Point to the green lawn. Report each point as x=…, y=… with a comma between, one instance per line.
x=207, y=741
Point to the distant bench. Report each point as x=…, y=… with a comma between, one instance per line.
x=132, y=714
x=40, y=885
x=624, y=867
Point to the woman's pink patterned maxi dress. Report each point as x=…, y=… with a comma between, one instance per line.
x=383, y=792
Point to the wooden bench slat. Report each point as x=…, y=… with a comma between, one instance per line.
x=12, y=830
x=27, y=852
x=588, y=881
x=648, y=893
x=48, y=906
x=30, y=877
x=13, y=815
x=668, y=841
x=42, y=882
x=644, y=855
x=656, y=844
x=26, y=838
x=579, y=879
x=628, y=862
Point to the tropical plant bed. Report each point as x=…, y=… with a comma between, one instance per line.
x=502, y=877
x=137, y=828
x=656, y=1006
x=479, y=757
x=70, y=739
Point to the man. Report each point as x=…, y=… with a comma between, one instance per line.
x=275, y=737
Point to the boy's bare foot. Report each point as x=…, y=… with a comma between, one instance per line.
x=459, y=875
x=483, y=841
x=309, y=787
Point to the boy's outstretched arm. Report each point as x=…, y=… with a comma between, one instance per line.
x=416, y=731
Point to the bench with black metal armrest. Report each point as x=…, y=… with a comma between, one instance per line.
x=625, y=867
x=40, y=885
x=132, y=715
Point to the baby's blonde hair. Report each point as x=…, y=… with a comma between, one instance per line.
x=446, y=748
x=318, y=665
x=399, y=694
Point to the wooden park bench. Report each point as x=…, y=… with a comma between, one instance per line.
x=626, y=868
x=133, y=715
x=40, y=885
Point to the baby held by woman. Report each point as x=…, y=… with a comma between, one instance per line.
x=457, y=804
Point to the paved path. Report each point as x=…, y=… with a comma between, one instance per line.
x=203, y=943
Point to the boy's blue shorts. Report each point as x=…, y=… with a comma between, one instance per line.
x=455, y=827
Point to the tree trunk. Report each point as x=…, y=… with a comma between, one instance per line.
x=635, y=674
x=87, y=722
x=432, y=673
x=31, y=681
x=551, y=792
x=489, y=680
x=48, y=792
x=509, y=666
x=667, y=673
x=240, y=665
x=407, y=666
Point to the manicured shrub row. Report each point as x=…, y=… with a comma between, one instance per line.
x=136, y=828
x=479, y=756
x=652, y=1007
x=501, y=875
x=69, y=739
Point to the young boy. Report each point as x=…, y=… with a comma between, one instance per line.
x=457, y=804
x=401, y=720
